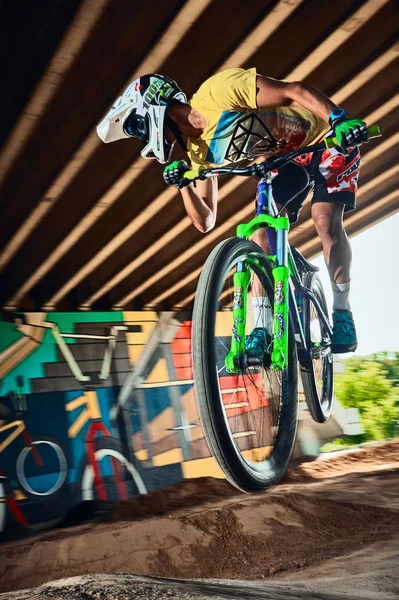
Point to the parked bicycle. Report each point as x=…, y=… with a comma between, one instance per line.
x=248, y=405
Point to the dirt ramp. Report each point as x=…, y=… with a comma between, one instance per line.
x=287, y=529
x=183, y=495
x=275, y=533
x=361, y=460
x=206, y=530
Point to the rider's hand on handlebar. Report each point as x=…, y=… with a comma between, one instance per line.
x=349, y=132
x=173, y=174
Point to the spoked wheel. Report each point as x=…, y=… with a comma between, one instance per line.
x=317, y=374
x=249, y=418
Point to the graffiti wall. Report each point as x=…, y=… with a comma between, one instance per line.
x=100, y=406
x=94, y=406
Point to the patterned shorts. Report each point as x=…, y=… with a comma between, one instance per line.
x=333, y=178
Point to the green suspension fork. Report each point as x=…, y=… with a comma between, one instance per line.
x=241, y=281
x=280, y=323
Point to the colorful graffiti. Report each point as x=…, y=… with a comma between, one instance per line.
x=94, y=406
x=100, y=407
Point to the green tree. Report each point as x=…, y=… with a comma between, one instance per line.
x=390, y=363
x=369, y=387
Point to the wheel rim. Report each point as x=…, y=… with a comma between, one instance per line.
x=251, y=399
x=43, y=477
x=88, y=475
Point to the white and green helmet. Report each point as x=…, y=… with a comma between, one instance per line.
x=141, y=112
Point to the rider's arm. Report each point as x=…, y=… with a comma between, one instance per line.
x=201, y=203
x=271, y=92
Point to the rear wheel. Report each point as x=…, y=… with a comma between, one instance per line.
x=317, y=373
x=249, y=418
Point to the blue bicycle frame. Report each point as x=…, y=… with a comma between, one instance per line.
x=282, y=255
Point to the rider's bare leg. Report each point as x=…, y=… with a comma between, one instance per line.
x=260, y=238
x=328, y=220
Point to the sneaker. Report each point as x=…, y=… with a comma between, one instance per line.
x=344, y=332
x=257, y=343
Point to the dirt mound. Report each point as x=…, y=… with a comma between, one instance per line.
x=293, y=527
x=357, y=461
x=276, y=533
x=204, y=490
x=192, y=492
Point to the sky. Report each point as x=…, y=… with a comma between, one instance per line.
x=374, y=293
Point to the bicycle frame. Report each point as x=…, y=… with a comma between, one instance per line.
x=19, y=429
x=289, y=292
x=288, y=289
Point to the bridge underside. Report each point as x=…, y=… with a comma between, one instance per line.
x=91, y=226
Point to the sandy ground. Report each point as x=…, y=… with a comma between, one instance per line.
x=330, y=530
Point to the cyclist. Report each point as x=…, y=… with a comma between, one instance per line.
x=238, y=114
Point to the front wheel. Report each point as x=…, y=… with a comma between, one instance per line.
x=249, y=418
x=317, y=372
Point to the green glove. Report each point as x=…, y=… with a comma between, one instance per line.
x=173, y=174
x=349, y=132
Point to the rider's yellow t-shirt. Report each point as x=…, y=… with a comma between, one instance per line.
x=236, y=129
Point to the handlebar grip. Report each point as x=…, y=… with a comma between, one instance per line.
x=374, y=131
x=193, y=174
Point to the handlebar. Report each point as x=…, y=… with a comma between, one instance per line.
x=374, y=131
x=260, y=170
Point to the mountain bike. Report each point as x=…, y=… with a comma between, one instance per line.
x=248, y=405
